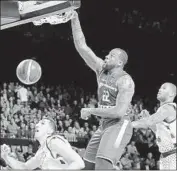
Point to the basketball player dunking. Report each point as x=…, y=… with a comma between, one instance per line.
x=54, y=153
x=115, y=92
x=164, y=121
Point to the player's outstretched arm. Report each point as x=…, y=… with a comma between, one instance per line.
x=69, y=155
x=126, y=91
x=15, y=164
x=155, y=118
x=94, y=62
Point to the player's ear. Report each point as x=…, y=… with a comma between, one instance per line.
x=172, y=94
x=120, y=63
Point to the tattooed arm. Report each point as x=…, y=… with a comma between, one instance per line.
x=94, y=62
x=157, y=117
x=126, y=91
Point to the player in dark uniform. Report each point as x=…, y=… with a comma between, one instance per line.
x=115, y=92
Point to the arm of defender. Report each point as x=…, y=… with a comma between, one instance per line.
x=158, y=117
x=74, y=160
x=126, y=91
x=94, y=62
x=31, y=164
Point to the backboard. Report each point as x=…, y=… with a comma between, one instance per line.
x=14, y=13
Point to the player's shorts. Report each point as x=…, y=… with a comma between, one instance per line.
x=109, y=143
x=168, y=163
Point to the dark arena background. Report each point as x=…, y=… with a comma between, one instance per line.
x=147, y=30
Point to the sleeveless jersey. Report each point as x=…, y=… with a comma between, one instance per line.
x=108, y=91
x=166, y=133
x=46, y=158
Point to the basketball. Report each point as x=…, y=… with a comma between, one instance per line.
x=28, y=71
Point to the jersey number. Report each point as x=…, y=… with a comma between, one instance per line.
x=105, y=96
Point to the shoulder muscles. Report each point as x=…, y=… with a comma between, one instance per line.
x=126, y=89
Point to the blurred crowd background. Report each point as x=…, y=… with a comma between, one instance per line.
x=22, y=107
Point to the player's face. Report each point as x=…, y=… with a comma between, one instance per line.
x=112, y=59
x=163, y=93
x=42, y=128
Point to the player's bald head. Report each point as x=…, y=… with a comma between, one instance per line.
x=167, y=92
x=121, y=54
x=172, y=88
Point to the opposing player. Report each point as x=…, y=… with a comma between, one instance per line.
x=54, y=153
x=115, y=92
x=164, y=121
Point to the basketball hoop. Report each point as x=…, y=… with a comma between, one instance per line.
x=38, y=12
x=55, y=19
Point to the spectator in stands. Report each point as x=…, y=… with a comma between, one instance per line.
x=60, y=126
x=39, y=115
x=16, y=119
x=68, y=110
x=70, y=121
x=136, y=165
x=126, y=162
x=29, y=153
x=86, y=125
x=82, y=103
x=94, y=128
x=93, y=100
x=76, y=109
x=69, y=135
x=131, y=148
x=30, y=95
x=48, y=97
x=67, y=117
x=22, y=93
x=41, y=97
x=31, y=130
x=150, y=162
x=12, y=128
x=35, y=103
x=22, y=133
x=4, y=121
x=66, y=95
x=91, y=133
x=11, y=102
x=66, y=124
x=3, y=131
x=17, y=107
x=43, y=104
x=76, y=128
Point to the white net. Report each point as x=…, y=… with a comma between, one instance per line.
x=55, y=19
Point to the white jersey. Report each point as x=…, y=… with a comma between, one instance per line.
x=166, y=133
x=23, y=94
x=48, y=160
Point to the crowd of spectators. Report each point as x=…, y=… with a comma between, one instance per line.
x=148, y=23
x=136, y=18
x=22, y=107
